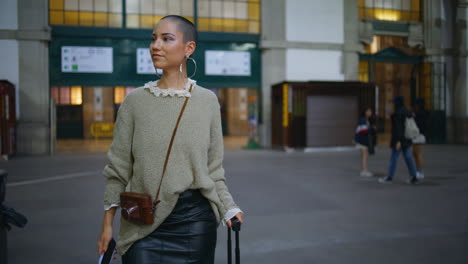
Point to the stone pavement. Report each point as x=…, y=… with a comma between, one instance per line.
x=300, y=208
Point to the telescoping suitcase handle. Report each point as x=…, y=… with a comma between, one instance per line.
x=236, y=226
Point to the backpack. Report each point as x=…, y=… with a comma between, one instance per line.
x=411, y=129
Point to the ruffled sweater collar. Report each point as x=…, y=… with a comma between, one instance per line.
x=154, y=89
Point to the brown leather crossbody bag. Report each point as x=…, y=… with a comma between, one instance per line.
x=139, y=208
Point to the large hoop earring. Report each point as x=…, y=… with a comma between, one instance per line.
x=157, y=74
x=195, y=63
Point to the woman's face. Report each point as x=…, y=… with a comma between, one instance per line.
x=167, y=48
x=368, y=112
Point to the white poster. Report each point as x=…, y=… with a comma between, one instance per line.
x=234, y=63
x=87, y=59
x=144, y=62
x=98, y=106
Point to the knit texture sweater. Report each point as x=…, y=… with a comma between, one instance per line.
x=143, y=129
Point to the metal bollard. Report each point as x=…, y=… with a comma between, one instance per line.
x=3, y=232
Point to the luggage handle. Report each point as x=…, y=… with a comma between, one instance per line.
x=236, y=226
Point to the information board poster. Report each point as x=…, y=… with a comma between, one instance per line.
x=233, y=63
x=87, y=59
x=144, y=63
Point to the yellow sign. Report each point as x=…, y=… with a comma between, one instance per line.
x=102, y=130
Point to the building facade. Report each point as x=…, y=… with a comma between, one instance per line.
x=415, y=48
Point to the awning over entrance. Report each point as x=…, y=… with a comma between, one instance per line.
x=391, y=54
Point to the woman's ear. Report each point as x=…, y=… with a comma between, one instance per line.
x=190, y=47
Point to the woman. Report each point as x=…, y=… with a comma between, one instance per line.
x=193, y=196
x=420, y=116
x=364, y=138
x=399, y=143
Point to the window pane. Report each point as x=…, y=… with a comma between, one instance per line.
x=86, y=18
x=254, y=27
x=71, y=5
x=242, y=26
x=115, y=20
x=241, y=10
x=203, y=8
x=160, y=7
x=100, y=5
x=229, y=25
x=216, y=8
x=187, y=8
x=75, y=95
x=133, y=6
x=146, y=21
x=56, y=4
x=119, y=94
x=146, y=7
x=100, y=19
x=115, y=6
x=216, y=24
x=174, y=7
x=229, y=9
x=204, y=24
x=86, y=5
x=71, y=18
x=56, y=17
x=54, y=93
x=254, y=11
x=64, y=95
x=133, y=21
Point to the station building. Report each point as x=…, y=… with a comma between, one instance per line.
x=73, y=61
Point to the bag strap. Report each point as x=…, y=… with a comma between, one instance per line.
x=156, y=200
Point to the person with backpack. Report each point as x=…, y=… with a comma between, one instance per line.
x=400, y=142
x=365, y=139
x=420, y=116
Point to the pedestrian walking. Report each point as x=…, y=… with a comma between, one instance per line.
x=365, y=139
x=168, y=144
x=420, y=116
x=400, y=143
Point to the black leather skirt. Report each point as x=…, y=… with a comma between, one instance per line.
x=188, y=235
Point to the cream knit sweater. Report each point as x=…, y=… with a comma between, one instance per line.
x=142, y=133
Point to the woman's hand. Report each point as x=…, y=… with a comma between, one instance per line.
x=106, y=234
x=103, y=242
x=238, y=216
x=398, y=145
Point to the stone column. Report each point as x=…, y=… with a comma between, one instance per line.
x=273, y=59
x=33, y=35
x=351, y=46
x=458, y=118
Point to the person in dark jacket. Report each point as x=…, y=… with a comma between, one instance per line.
x=399, y=143
x=364, y=139
x=420, y=117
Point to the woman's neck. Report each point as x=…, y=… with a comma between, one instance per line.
x=173, y=79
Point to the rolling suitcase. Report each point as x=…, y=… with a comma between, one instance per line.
x=236, y=225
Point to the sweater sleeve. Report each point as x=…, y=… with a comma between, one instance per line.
x=119, y=169
x=215, y=161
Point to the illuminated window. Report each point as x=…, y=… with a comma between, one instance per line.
x=76, y=96
x=97, y=13
x=120, y=92
x=66, y=95
x=229, y=15
x=390, y=10
x=146, y=13
x=364, y=71
x=213, y=15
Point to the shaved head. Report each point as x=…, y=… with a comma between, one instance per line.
x=184, y=26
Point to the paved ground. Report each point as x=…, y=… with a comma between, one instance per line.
x=300, y=208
